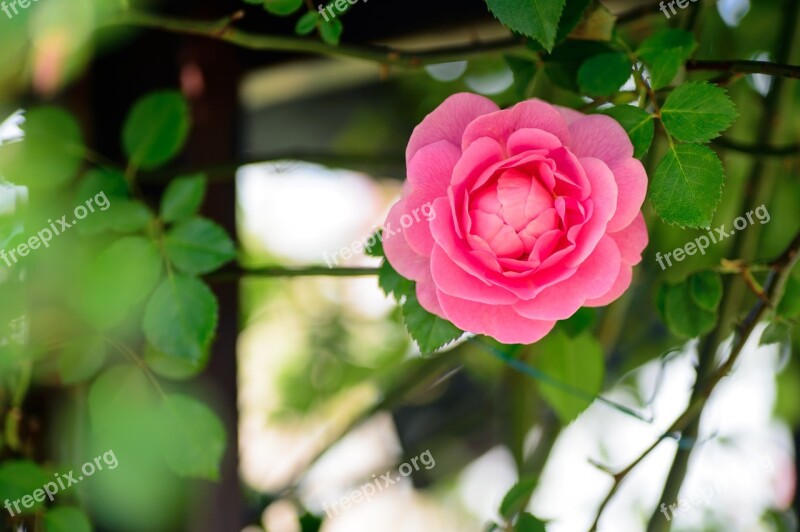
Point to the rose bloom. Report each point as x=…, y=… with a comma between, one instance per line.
x=537, y=213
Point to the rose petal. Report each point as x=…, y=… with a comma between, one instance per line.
x=631, y=180
x=602, y=137
x=453, y=280
x=403, y=259
x=448, y=121
x=500, y=125
x=632, y=240
x=500, y=322
x=594, y=277
x=620, y=286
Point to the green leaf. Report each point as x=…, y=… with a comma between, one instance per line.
x=575, y=362
x=195, y=438
x=66, y=519
x=532, y=18
x=639, y=125
x=517, y=497
x=116, y=394
x=331, y=31
x=529, y=523
x=20, y=478
x=183, y=197
x=181, y=317
x=775, y=333
x=697, y=112
x=156, y=129
x=121, y=216
x=376, y=248
x=789, y=306
x=198, y=246
x=174, y=368
x=81, y=359
x=117, y=279
x=392, y=283
x=307, y=23
x=563, y=64
x=282, y=8
x=50, y=154
x=429, y=331
x=706, y=289
x=574, y=11
x=682, y=315
x=687, y=185
x=604, y=74
x=664, y=52
x=109, y=182
x=581, y=321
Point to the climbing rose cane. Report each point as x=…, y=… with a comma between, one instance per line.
x=537, y=214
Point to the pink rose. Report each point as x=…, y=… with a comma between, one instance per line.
x=537, y=213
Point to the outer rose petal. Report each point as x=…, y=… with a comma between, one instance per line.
x=448, y=121
x=405, y=260
x=620, y=286
x=500, y=322
x=429, y=176
x=631, y=180
x=602, y=137
x=594, y=278
x=501, y=125
x=570, y=115
x=427, y=295
x=632, y=240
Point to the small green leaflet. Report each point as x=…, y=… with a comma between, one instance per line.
x=331, y=31
x=697, y=112
x=116, y=394
x=19, y=478
x=183, y=197
x=664, y=53
x=529, y=523
x=604, y=74
x=515, y=499
x=532, y=18
x=687, y=185
x=681, y=313
x=429, y=331
x=706, y=290
x=198, y=246
x=775, y=333
x=282, y=7
x=81, y=359
x=181, y=317
x=307, y=23
x=194, y=438
x=639, y=125
x=156, y=129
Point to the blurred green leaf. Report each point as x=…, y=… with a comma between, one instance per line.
x=706, y=289
x=121, y=216
x=563, y=64
x=331, y=31
x=116, y=280
x=532, y=18
x=20, y=478
x=529, y=523
x=198, y=246
x=639, y=125
x=50, y=154
x=517, y=497
x=156, y=128
x=81, y=359
x=664, y=52
x=181, y=317
x=789, y=307
x=604, y=74
x=307, y=23
x=575, y=362
x=697, y=112
x=429, y=331
x=524, y=72
x=172, y=367
x=183, y=197
x=775, y=333
x=682, y=315
x=687, y=185
x=392, y=283
x=282, y=7
x=66, y=519
x=194, y=438
x=120, y=394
